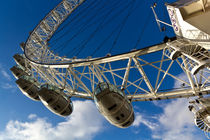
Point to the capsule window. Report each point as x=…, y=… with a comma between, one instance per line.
x=37, y=97
x=63, y=112
x=25, y=87
x=58, y=106
x=71, y=104
x=111, y=87
x=70, y=107
x=118, y=118
x=55, y=108
x=122, y=115
x=112, y=107
x=97, y=90
x=30, y=92
x=48, y=101
x=126, y=123
x=103, y=86
x=121, y=93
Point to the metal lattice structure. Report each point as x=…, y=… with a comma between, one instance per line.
x=79, y=77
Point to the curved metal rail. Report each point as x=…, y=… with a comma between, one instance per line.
x=36, y=48
x=129, y=71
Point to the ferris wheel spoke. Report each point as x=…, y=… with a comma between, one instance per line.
x=101, y=72
x=74, y=74
x=96, y=73
x=129, y=82
x=176, y=68
x=81, y=75
x=196, y=80
x=58, y=78
x=92, y=79
x=126, y=75
x=110, y=69
x=206, y=81
x=84, y=75
x=140, y=79
x=80, y=82
x=189, y=75
x=158, y=76
x=164, y=76
x=163, y=71
x=143, y=75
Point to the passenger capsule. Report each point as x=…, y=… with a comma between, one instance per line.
x=19, y=59
x=113, y=105
x=29, y=87
x=18, y=71
x=53, y=99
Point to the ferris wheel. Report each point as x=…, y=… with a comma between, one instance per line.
x=114, y=81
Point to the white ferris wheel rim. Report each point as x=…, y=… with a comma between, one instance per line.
x=36, y=48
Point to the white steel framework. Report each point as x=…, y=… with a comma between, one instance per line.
x=141, y=74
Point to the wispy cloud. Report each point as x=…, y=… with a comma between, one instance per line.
x=6, y=80
x=7, y=86
x=4, y=73
x=32, y=116
x=84, y=123
x=176, y=122
x=139, y=119
x=202, y=76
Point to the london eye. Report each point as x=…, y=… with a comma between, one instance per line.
x=97, y=68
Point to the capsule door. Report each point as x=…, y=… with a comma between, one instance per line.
x=114, y=105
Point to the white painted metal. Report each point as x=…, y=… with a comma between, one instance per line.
x=79, y=77
x=196, y=28
x=201, y=110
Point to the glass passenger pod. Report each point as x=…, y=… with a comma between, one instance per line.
x=53, y=98
x=104, y=89
x=19, y=59
x=29, y=87
x=18, y=71
x=113, y=105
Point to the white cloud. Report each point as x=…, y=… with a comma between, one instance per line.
x=6, y=80
x=4, y=73
x=140, y=120
x=84, y=123
x=182, y=76
x=12, y=88
x=7, y=85
x=177, y=122
x=201, y=76
x=32, y=116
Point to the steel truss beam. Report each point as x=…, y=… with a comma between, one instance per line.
x=80, y=81
x=129, y=71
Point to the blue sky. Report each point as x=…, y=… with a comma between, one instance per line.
x=24, y=119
